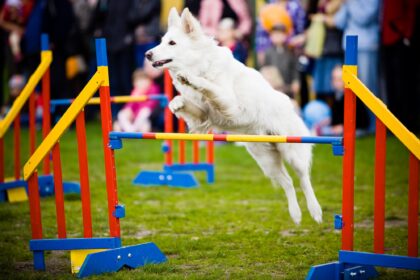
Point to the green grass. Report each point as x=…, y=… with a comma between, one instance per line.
x=237, y=228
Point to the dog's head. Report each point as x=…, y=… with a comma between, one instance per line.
x=182, y=45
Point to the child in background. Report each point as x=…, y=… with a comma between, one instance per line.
x=16, y=84
x=135, y=116
x=226, y=37
x=281, y=56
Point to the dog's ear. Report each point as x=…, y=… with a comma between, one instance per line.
x=189, y=24
x=173, y=18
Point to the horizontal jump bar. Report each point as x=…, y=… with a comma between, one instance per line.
x=74, y=243
x=227, y=137
x=114, y=99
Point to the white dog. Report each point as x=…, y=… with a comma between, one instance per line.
x=219, y=92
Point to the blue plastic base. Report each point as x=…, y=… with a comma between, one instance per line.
x=115, y=259
x=111, y=260
x=338, y=271
x=360, y=265
x=207, y=167
x=45, y=183
x=165, y=178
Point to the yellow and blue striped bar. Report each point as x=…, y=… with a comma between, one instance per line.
x=114, y=99
x=227, y=138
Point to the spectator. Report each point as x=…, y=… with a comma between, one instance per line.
x=361, y=17
x=145, y=16
x=213, y=11
x=400, y=59
x=110, y=20
x=135, y=116
x=226, y=37
x=13, y=18
x=297, y=15
x=331, y=53
x=281, y=56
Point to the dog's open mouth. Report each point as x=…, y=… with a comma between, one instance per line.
x=160, y=63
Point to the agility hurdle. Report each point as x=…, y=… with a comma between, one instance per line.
x=16, y=188
x=178, y=174
x=360, y=265
x=89, y=255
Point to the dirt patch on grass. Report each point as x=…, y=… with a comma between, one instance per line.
x=291, y=232
x=389, y=223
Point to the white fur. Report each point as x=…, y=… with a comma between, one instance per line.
x=219, y=92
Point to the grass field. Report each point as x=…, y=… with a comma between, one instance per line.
x=237, y=228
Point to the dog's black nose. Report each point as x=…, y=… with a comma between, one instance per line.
x=149, y=55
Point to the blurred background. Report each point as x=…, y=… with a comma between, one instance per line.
x=297, y=45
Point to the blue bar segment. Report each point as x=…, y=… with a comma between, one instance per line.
x=101, y=58
x=74, y=244
x=45, y=45
x=351, y=50
x=362, y=258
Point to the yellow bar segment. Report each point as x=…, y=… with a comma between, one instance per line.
x=381, y=111
x=184, y=136
x=46, y=59
x=62, y=125
x=256, y=138
x=229, y=138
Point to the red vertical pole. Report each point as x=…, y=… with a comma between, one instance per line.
x=210, y=152
x=348, y=168
x=32, y=120
x=379, y=212
x=413, y=206
x=196, y=151
x=349, y=136
x=16, y=134
x=84, y=174
x=46, y=120
x=1, y=160
x=58, y=190
x=34, y=206
x=181, y=143
x=111, y=181
x=168, y=126
x=106, y=120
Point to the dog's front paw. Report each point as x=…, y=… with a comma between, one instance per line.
x=176, y=104
x=182, y=78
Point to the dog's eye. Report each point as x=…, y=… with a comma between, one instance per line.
x=172, y=43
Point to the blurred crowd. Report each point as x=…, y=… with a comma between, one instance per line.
x=297, y=45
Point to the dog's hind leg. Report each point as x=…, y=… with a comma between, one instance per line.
x=300, y=160
x=270, y=161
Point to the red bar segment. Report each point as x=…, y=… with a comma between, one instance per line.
x=46, y=121
x=181, y=143
x=16, y=136
x=84, y=174
x=196, y=151
x=34, y=206
x=168, y=126
x=210, y=150
x=379, y=212
x=59, y=193
x=1, y=160
x=110, y=172
x=293, y=139
x=32, y=120
x=348, y=169
x=413, y=206
x=219, y=137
